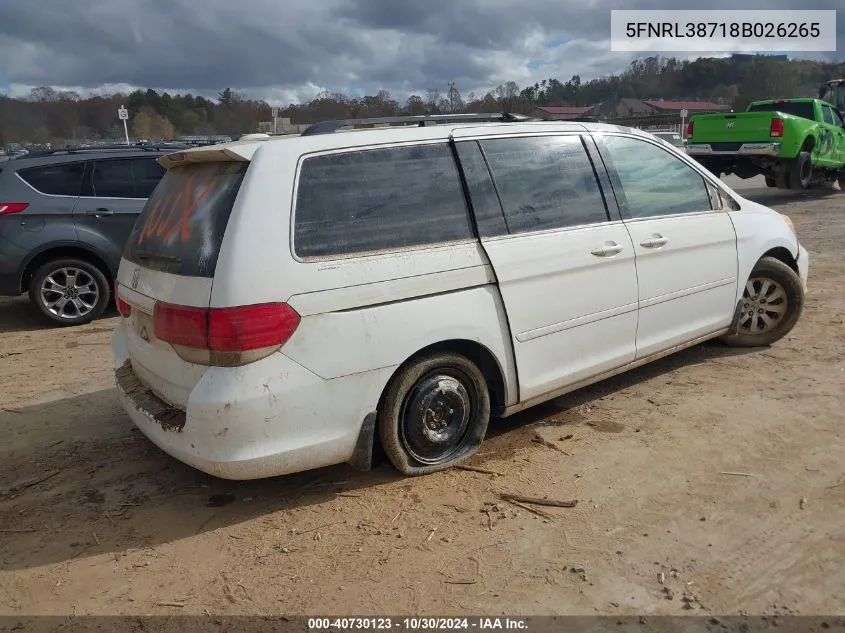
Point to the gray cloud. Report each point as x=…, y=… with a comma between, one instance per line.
x=291, y=49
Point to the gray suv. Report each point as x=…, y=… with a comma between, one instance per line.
x=65, y=216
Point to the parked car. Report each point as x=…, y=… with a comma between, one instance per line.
x=65, y=216
x=792, y=142
x=673, y=138
x=288, y=303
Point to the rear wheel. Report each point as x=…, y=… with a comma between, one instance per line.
x=434, y=414
x=800, y=171
x=69, y=291
x=771, y=304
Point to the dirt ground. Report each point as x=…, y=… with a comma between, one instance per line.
x=96, y=520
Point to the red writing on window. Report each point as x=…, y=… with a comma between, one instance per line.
x=171, y=214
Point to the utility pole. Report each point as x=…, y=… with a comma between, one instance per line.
x=452, y=97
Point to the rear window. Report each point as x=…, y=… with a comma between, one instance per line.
x=802, y=108
x=181, y=226
x=371, y=200
x=60, y=179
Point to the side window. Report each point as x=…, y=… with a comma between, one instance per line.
x=112, y=178
x=545, y=182
x=827, y=114
x=62, y=179
x=147, y=175
x=837, y=120
x=371, y=200
x=482, y=192
x=653, y=181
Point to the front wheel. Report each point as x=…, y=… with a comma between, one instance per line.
x=771, y=304
x=434, y=414
x=69, y=291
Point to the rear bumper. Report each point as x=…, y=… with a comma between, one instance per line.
x=746, y=149
x=268, y=418
x=803, y=265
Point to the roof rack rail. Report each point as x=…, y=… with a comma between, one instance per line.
x=152, y=147
x=330, y=127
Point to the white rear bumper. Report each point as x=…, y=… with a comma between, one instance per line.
x=268, y=418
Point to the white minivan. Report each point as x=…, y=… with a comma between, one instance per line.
x=291, y=303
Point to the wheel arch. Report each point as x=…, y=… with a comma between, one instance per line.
x=478, y=353
x=781, y=254
x=809, y=143
x=58, y=251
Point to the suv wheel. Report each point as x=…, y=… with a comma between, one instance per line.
x=434, y=414
x=771, y=304
x=69, y=291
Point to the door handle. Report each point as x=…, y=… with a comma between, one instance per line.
x=100, y=213
x=655, y=241
x=608, y=249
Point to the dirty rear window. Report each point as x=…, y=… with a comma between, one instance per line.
x=803, y=109
x=181, y=227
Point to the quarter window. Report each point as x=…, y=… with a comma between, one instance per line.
x=61, y=179
x=545, y=182
x=371, y=200
x=653, y=181
x=827, y=114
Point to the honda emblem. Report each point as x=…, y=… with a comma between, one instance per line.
x=136, y=276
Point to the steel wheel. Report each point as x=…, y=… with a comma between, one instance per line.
x=70, y=293
x=435, y=416
x=764, y=303
x=434, y=413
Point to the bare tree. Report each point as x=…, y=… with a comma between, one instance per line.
x=432, y=99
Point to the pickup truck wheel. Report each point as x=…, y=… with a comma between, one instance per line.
x=771, y=182
x=771, y=304
x=434, y=414
x=800, y=171
x=841, y=182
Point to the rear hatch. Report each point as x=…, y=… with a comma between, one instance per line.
x=165, y=277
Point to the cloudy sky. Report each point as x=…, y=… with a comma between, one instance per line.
x=288, y=50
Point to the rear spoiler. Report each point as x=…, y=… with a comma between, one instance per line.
x=211, y=154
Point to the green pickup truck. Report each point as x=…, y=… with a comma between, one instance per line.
x=794, y=143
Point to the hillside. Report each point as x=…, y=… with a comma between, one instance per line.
x=64, y=117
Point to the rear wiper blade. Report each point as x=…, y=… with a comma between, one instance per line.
x=155, y=256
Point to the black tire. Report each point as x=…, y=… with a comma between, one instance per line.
x=782, y=177
x=777, y=305
x=93, y=299
x=841, y=181
x=417, y=399
x=800, y=171
x=771, y=182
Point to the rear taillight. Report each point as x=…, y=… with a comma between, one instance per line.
x=7, y=208
x=689, y=129
x=776, y=128
x=122, y=307
x=225, y=336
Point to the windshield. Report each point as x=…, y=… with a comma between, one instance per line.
x=181, y=227
x=804, y=109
